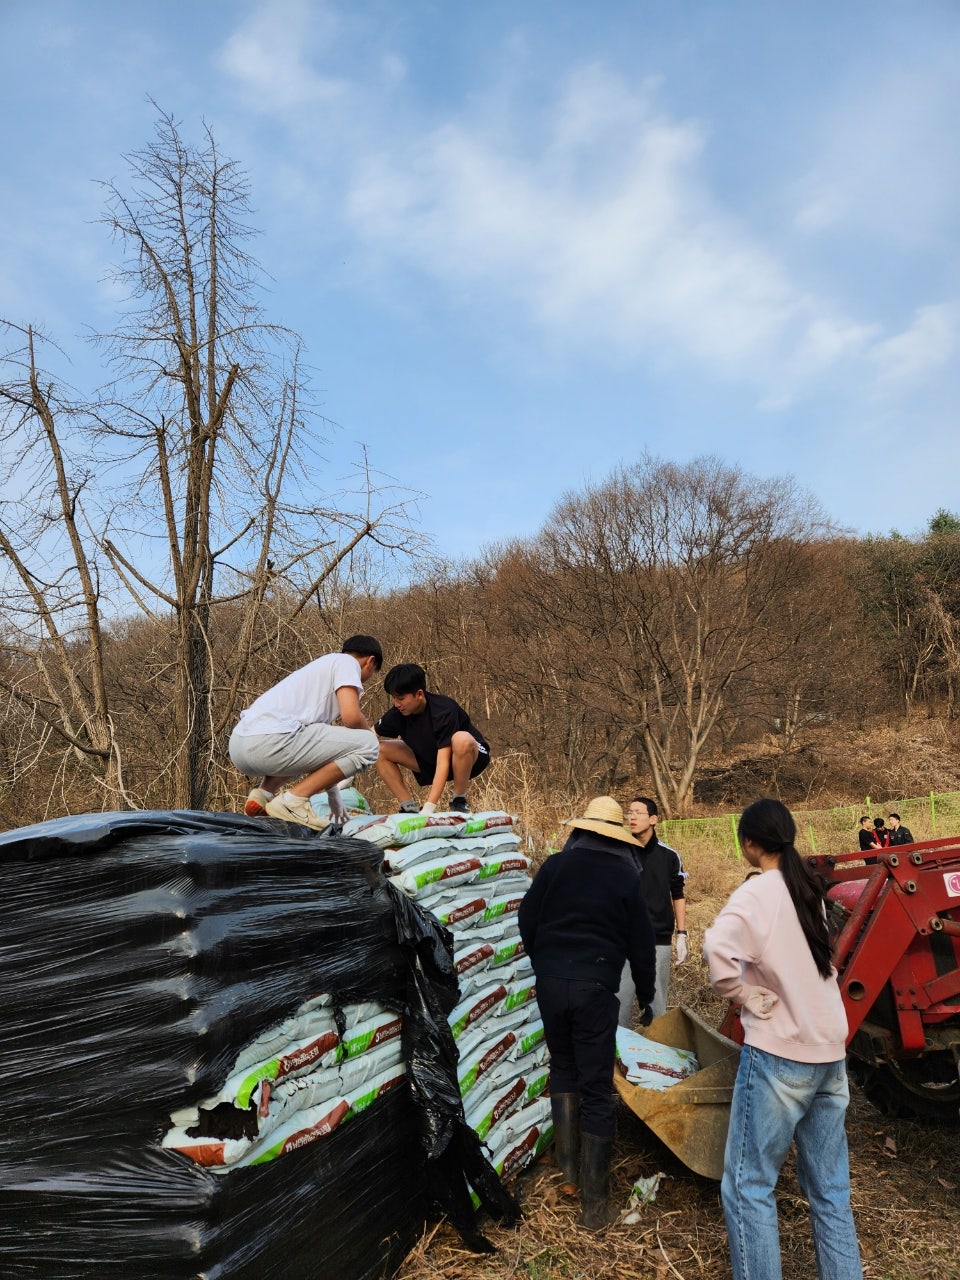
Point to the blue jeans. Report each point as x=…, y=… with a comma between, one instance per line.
x=776, y=1100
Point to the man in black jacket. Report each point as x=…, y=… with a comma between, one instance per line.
x=581, y=920
x=899, y=834
x=663, y=880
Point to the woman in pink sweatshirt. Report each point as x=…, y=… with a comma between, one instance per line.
x=769, y=950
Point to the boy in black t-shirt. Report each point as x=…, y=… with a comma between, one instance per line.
x=432, y=736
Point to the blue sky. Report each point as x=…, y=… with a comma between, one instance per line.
x=527, y=241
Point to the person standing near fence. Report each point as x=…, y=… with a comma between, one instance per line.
x=865, y=834
x=899, y=834
x=769, y=950
x=662, y=880
x=881, y=836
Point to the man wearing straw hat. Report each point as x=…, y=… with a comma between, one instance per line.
x=582, y=918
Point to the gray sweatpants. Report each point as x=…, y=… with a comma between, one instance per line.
x=291, y=755
x=627, y=994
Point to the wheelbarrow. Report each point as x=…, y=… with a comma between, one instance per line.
x=691, y=1116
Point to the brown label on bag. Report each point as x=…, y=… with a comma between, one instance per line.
x=493, y=1055
x=473, y=958
x=289, y=1063
x=520, y=1152
x=501, y=1108
x=468, y=909
x=482, y=1006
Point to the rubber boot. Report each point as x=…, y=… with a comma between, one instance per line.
x=566, y=1130
x=595, y=1154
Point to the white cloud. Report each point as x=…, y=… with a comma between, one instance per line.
x=926, y=346
x=605, y=232
x=393, y=69
x=880, y=152
x=265, y=57
x=822, y=207
x=828, y=339
x=592, y=217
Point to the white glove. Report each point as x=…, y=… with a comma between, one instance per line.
x=338, y=812
x=681, y=946
x=760, y=1001
x=429, y=807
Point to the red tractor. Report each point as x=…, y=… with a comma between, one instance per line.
x=897, y=950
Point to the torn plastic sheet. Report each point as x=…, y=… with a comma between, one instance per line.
x=141, y=953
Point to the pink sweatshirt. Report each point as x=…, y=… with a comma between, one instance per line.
x=757, y=941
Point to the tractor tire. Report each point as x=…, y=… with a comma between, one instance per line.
x=924, y=1089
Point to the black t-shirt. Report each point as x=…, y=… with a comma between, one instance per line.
x=427, y=732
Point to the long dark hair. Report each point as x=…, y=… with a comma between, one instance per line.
x=770, y=824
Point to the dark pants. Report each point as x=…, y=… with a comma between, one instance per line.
x=580, y=1024
x=426, y=774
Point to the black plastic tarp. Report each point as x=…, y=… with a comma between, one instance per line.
x=139, y=952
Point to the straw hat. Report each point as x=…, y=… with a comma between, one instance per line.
x=605, y=817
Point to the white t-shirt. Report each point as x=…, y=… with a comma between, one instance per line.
x=307, y=696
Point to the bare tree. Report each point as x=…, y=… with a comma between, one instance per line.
x=908, y=590
x=940, y=611
x=203, y=437
x=821, y=665
x=669, y=579
x=53, y=638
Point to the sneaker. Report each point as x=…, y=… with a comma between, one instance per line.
x=257, y=801
x=459, y=805
x=291, y=808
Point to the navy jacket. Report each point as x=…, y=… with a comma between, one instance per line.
x=584, y=916
x=902, y=835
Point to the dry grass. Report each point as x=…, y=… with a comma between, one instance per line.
x=905, y=1178
x=835, y=766
x=905, y=1183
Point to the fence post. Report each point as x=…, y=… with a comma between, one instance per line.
x=813, y=843
x=736, y=842
x=933, y=814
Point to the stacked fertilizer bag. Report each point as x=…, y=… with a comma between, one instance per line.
x=650, y=1064
x=354, y=802
x=225, y=1054
x=294, y=1084
x=471, y=876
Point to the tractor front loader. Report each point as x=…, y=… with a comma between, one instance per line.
x=896, y=929
x=897, y=952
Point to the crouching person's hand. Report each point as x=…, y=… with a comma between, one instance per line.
x=338, y=812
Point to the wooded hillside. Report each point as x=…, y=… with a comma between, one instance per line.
x=168, y=551
x=747, y=666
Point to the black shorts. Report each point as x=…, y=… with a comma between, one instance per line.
x=425, y=776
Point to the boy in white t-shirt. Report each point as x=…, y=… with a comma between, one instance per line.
x=288, y=733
